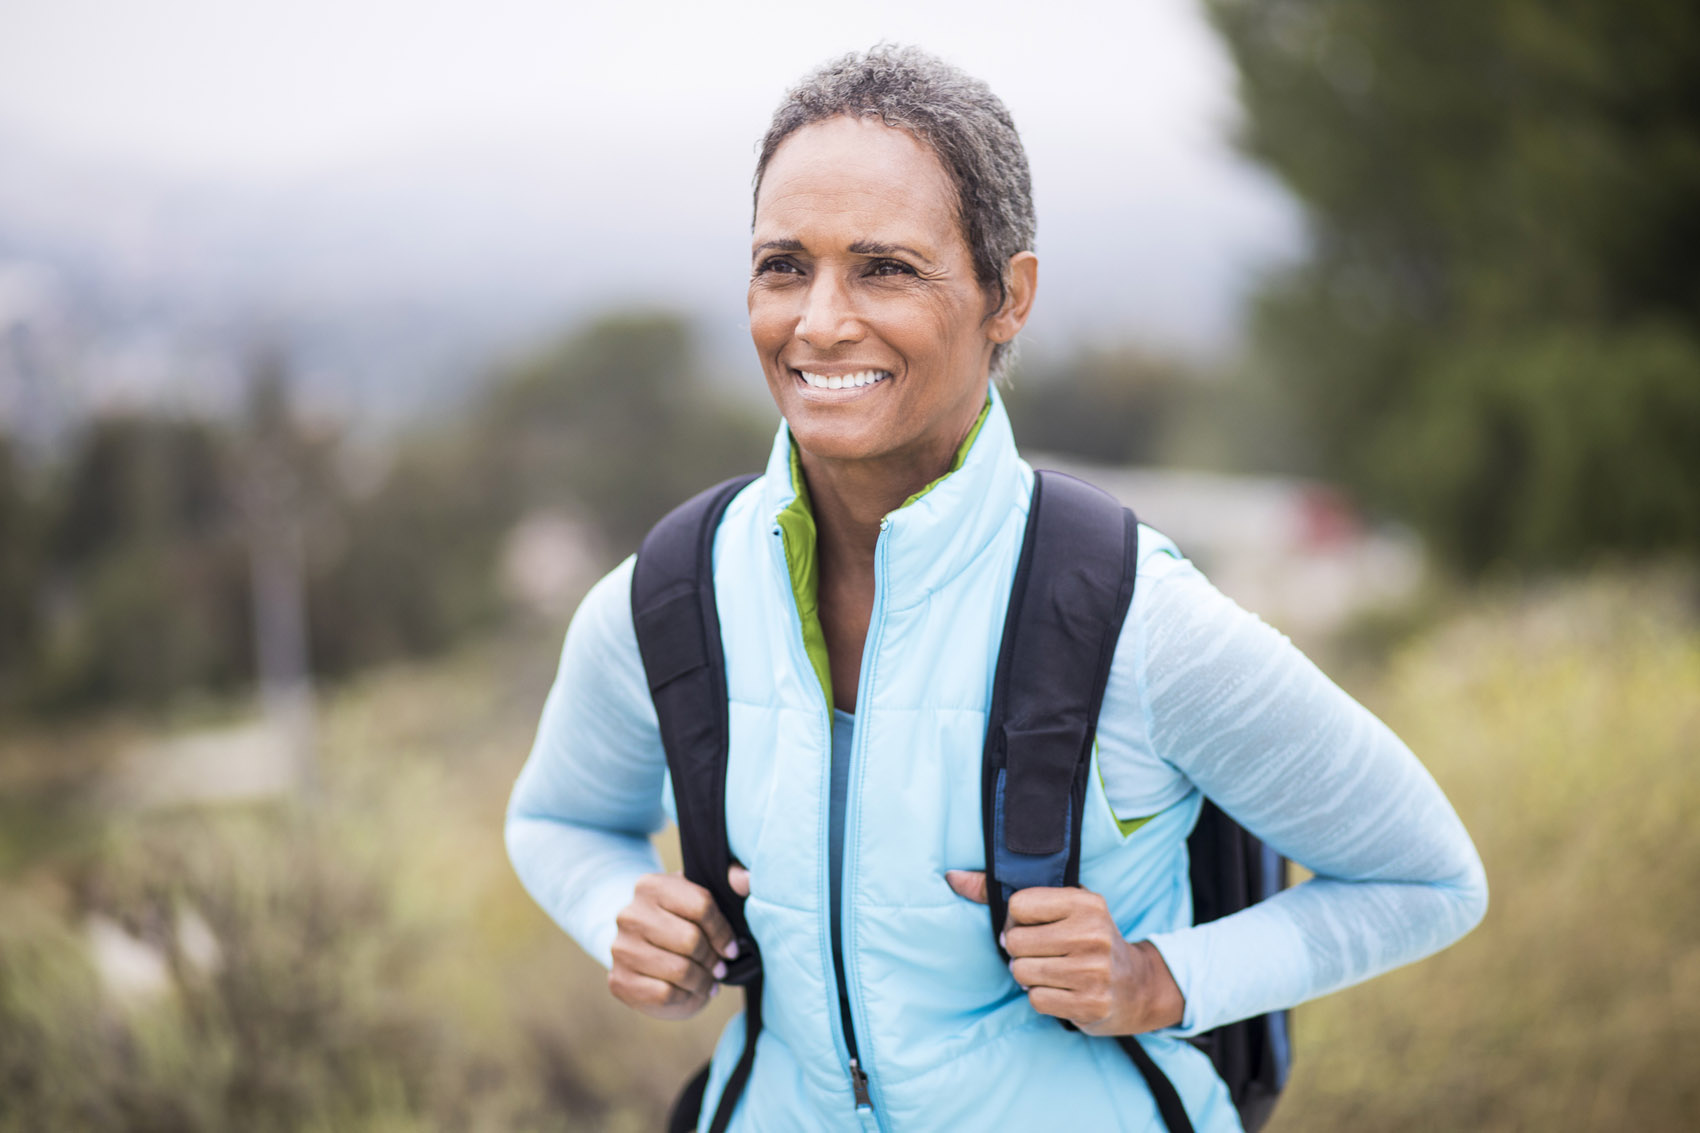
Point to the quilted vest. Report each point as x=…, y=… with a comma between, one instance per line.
x=945, y=1035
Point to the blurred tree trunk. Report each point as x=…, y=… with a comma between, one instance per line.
x=273, y=507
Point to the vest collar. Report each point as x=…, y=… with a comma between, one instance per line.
x=933, y=535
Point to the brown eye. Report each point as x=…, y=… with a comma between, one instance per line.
x=890, y=267
x=778, y=264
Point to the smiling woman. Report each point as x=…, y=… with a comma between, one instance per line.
x=861, y=585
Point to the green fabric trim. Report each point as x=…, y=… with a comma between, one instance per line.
x=1128, y=826
x=797, y=530
x=961, y=453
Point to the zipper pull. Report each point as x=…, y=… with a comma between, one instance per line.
x=859, y=1085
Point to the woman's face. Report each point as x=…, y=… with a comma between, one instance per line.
x=861, y=279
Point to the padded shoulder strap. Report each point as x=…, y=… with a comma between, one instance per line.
x=1072, y=587
x=678, y=632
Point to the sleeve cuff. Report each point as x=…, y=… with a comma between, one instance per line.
x=1172, y=946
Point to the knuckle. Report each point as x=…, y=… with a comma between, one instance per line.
x=699, y=903
x=675, y=937
x=677, y=969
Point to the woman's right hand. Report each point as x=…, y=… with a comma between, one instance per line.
x=671, y=949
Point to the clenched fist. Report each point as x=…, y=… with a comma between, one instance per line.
x=1068, y=955
x=671, y=949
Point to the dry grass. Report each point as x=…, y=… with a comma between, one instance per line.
x=1564, y=727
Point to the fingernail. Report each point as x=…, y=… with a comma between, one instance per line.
x=732, y=950
x=720, y=970
x=1003, y=943
x=713, y=991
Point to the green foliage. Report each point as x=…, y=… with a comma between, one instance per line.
x=1113, y=406
x=617, y=419
x=410, y=568
x=1500, y=199
x=140, y=577
x=125, y=565
x=20, y=570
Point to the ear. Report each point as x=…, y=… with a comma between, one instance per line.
x=1023, y=283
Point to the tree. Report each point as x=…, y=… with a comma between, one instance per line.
x=1496, y=332
x=617, y=420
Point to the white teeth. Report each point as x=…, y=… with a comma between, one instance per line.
x=844, y=381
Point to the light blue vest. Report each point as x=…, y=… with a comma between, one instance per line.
x=946, y=1037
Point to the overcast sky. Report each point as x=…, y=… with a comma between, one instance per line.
x=607, y=147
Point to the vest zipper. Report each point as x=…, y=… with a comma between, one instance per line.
x=860, y=1087
x=837, y=810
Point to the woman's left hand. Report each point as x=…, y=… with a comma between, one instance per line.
x=1068, y=955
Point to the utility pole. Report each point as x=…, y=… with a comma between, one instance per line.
x=273, y=505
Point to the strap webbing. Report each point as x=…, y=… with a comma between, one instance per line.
x=678, y=632
x=1073, y=584
x=1162, y=1090
x=1072, y=589
x=740, y=1075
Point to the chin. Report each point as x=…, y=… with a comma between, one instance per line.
x=830, y=436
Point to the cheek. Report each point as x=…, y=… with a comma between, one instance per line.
x=941, y=327
x=771, y=320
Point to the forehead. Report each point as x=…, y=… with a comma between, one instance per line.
x=859, y=179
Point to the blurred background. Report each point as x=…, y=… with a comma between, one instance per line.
x=337, y=343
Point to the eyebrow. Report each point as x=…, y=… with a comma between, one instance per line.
x=776, y=246
x=871, y=248
x=860, y=248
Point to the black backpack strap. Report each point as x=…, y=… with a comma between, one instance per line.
x=678, y=633
x=1073, y=586
x=1163, y=1091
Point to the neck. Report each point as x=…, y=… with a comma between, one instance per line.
x=851, y=497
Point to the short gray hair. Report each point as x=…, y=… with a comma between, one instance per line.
x=952, y=113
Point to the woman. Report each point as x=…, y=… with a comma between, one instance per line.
x=861, y=585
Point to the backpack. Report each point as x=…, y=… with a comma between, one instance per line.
x=1072, y=589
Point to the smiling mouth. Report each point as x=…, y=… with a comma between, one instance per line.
x=842, y=381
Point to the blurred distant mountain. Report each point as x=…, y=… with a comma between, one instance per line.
x=392, y=285
x=121, y=288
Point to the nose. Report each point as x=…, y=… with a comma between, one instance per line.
x=828, y=317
